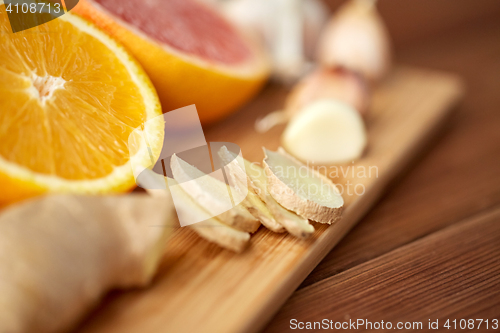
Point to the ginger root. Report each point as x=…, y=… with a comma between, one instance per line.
x=60, y=254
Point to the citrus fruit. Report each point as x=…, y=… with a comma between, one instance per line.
x=69, y=98
x=191, y=54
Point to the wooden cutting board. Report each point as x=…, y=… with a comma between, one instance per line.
x=203, y=288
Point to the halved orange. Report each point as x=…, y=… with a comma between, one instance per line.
x=191, y=53
x=69, y=98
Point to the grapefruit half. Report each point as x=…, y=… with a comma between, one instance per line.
x=191, y=53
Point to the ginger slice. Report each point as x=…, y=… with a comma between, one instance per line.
x=327, y=132
x=259, y=210
x=60, y=254
x=210, y=228
x=212, y=195
x=255, y=176
x=253, y=203
x=301, y=189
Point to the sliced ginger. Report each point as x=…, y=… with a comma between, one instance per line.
x=256, y=178
x=213, y=195
x=255, y=205
x=209, y=228
x=301, y=189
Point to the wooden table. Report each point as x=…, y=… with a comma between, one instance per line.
x=431, y=248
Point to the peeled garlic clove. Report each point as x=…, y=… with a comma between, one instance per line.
x=340, y=84
x=326, y=132
x=356, y=38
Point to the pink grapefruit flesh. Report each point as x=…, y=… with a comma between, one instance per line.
x=185, y=25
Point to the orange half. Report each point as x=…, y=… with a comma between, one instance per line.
x=70, y=96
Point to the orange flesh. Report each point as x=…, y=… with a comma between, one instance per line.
x=67, y=104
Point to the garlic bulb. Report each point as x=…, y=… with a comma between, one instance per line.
x=356, y=38
x=290, y=29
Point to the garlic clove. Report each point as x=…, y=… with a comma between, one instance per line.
x=356, y=38
x=339, y=84
x=326, y=132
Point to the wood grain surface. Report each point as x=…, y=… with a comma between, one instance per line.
x=202, y=288
x=415, y=283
